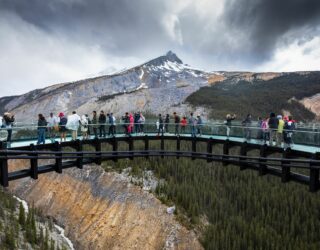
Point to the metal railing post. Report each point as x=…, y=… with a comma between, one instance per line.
x=33, y=163
x=4, y=176
x=79, y=147
x=314, y=183
x=58, y=165
x=285, y=170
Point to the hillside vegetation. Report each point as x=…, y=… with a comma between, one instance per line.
x=259, y=97
x=234, y=209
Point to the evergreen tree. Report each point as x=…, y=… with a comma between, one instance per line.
x=22, y=216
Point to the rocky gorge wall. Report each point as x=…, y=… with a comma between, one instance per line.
x=103, y=210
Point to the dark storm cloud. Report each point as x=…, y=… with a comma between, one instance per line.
x=272, y=23
x=119, y=25
x=246, y=33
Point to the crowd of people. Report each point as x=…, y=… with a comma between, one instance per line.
x=273, y=129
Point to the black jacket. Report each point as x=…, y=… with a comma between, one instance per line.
x=273, y=122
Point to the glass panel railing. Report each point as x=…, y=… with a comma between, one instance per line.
x=306, y=135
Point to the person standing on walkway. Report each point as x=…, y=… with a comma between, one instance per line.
x=247, y=127
x=273, y=126
x=142, y=121
x=89, y=125
x=160, y=127
x=94, y=123
x=166, y=123
x=131, y=123
x=136, y=122
x=102, y=124
x=42, y=127
x=259, y=128
x=183, y=125
x=199, y=125
x=62, y=126
x=53, y=126
x=176, y=123
x=289, y=127
x=8, y=123
x=229, y=119
x=84, y=127
x=73, y=124
x=192, y=124
x=280, y=130
x=111, y=120
x=265, y=130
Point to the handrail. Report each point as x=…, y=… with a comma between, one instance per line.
x=169, y=124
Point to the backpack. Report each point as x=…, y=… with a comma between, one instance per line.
x=264, y=125
x=289, y=125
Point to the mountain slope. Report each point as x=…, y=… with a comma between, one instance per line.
x=155, y=85
x=165, y=85
x=258, y=94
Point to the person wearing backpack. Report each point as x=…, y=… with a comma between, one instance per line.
x=42, y=127
x=176, y=122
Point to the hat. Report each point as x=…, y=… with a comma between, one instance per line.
x=61, y=114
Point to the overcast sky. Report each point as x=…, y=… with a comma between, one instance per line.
x=43, y=42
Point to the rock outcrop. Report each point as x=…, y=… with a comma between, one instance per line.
x=103, y=210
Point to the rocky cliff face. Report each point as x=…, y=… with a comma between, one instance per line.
x=312, y=103
x=101, y=210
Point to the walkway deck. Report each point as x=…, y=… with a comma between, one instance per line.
x=296, y=147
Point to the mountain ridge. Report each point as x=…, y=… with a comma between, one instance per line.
x=162, y=84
